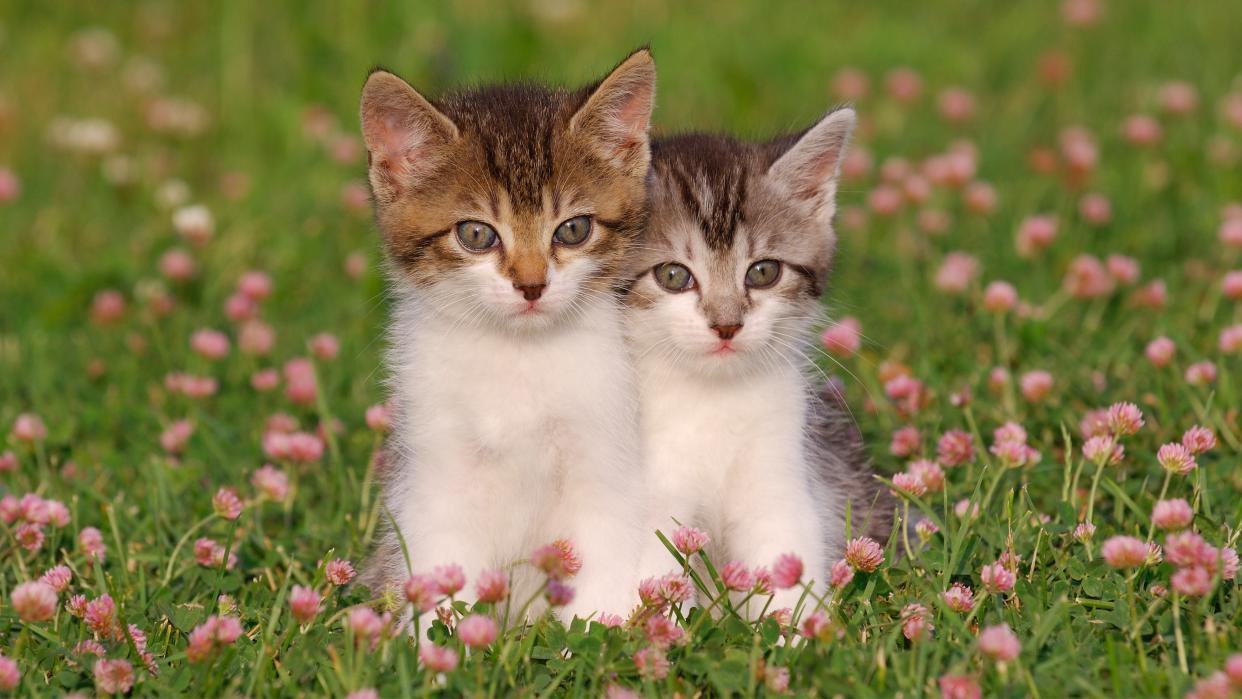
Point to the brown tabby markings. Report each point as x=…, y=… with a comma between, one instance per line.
x=514, y=163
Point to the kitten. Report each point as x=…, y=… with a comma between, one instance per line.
x=506, y=213
x=736, y=440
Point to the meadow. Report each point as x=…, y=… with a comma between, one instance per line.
x=1037, y=312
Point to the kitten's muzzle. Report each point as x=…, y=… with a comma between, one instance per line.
x=530, y=292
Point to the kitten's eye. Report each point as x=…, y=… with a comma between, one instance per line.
x=763, y=274
x=573, y=232
x=673, y=277
x=476, y=235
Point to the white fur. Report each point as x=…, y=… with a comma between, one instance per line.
x=724, y=435
x=514, y=431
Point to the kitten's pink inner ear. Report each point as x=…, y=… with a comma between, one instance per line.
x=617, y=115
x=809, y=168
x=401, y=129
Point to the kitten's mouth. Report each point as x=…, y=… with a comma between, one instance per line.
x=724, y=349
x=532, y=308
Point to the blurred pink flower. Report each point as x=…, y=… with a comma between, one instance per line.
x=841, y=573
x=1086, y=278
x=421, y=592
x=492, y=586
x=303, y=603
x=478, y=631
x=1095, y=209
x=884, y=200
x=916, y=622
x=114, y=676
x=690, y=540
x=29, y=428
x=256, y=338
x=909, y=484
x=34, y=601
x=210, y=344
x=449, y=579
x=959, y=687
x=1179, y=98
x=324, y=346
x=736, y=576
x=10, y=186
x=339, y=571
x=255, y=285
x=437, y=658
x=1035, y=385
x=999, y=297
x=1198, y=439
x=956, y=105
x=1231, y=285
x=1172, y=514
x=955, y=448
x=1123, y=269
x=100, y=615
x=1124, y=419
x=1231, y=339
x=265, y=380
x=956, y=272
x=997, y=578
x=90, y=540
x=1141, y=130
x=107, y=307
x=999, y=643
x=651, y=663
x=271, y=482
x=1201, y=374
x=851, y=84
x=906, y=441
x=1081, y=13
x=928, y=473
x=226, y=504
x=979, y=198
x=240, y=307
x=173, y=439
x=1176, y=458
x=57, y=577
x=843, y=338
x=1160, y=352
x=177, y=265
x=1035, y=233
x=959, y=598
x=10, y=674
x=1193, y=581
x=1102, y=451
x=903, y=84
x=1230, y=232
x=864, y=553
x=558, y=594
x=1124, y=552
x=786, y=571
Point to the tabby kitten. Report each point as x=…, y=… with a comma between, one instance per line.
x=729, y=276
x=506, y=213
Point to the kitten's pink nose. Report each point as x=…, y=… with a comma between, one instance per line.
x=531, y=292
x=726, y=332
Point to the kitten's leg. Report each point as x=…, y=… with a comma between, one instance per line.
x=602, y=514
x=771, y=511
x=443, y=523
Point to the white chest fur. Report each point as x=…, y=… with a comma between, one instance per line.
x=727, y=455
x=509, y=441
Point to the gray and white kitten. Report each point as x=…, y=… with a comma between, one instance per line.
x=736, y=438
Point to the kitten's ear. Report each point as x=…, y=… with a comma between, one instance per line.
x=617, y=115
x=809, y=169
x=404, y=133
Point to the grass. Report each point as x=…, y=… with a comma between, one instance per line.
x=78, y=228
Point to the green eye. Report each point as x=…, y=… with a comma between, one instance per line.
x=573, y=231
x=476, y=235
x=763, y=274
x=673, y=277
